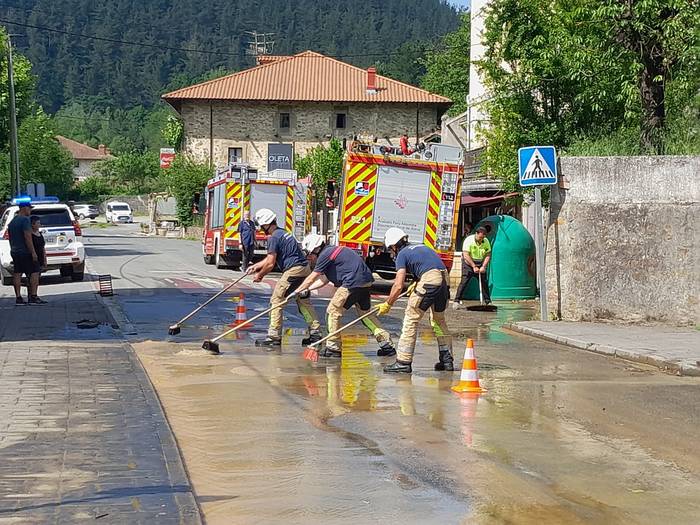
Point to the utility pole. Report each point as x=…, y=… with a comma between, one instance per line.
x=14, y=143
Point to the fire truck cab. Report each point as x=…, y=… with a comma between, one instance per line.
x=417, y=193
x=237, y=188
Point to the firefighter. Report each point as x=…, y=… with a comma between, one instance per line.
x=283, y=250
x=432, y=293
x=353, y=280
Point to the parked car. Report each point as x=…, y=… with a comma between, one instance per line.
x=65, y=250
x=119, y=212
x=86, y=211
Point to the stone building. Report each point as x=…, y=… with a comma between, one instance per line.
x=303, y=100
x=84, y=157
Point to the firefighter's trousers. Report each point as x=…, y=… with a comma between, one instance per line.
x=343, y=300
x=288, y=282
x=432, y=294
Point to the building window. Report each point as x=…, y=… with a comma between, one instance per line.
x=341, y=121
x=285, y=122
x=235, y=155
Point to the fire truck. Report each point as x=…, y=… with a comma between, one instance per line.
x=418, y=193
x=239, y=187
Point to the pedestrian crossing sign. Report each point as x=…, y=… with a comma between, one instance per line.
x=537, y=165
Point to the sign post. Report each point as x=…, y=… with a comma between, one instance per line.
x=537, y=166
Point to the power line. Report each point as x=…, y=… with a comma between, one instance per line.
x=171, y=48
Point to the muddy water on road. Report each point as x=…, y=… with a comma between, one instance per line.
x=560, y=437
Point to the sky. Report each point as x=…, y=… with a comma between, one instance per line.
x=460, y=3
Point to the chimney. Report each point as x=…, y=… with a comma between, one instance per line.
x=102, y=149
x=372, y=81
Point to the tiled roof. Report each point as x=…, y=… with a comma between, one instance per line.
x=308, y=76
x=82, y=151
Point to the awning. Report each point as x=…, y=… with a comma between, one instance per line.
x=477, y=200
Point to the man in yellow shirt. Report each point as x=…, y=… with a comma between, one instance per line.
x=476, y=254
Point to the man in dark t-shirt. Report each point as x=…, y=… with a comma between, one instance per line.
x=353, y=280
x=283, y=250
x=24, y=257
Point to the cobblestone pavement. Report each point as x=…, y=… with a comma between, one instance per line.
x=82, y=434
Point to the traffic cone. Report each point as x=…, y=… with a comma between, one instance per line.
x=469, y=379
x=241, y=314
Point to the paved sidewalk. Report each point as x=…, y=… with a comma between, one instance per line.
x=82, y=434
x=674, y=349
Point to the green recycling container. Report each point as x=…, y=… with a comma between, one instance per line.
x=511, y=271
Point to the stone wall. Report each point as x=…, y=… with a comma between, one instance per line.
x=623, y=241
x=251, y=126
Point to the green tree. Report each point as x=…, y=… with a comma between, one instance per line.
x=322, y=164
x=25, y=85
x=42, y=158
x=135, y=173
x=94, y=187
x=183, y=179
x=558, y=73
x=447, y=66
x=406, y=64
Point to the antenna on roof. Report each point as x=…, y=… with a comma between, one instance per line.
x=260, y=43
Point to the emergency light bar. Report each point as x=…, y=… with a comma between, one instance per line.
x=25, y=199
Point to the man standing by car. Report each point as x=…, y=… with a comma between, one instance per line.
x=24, y=258
x=247, y=231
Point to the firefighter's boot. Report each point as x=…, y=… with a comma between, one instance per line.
x=398, y=367
x=269, y=342
x=446, y=362
x=386, y=349
x=330, y=351
x=312, y=338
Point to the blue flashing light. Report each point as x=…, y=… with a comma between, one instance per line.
x=26, y=199
x=22, y=200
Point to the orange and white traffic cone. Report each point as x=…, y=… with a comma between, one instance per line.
x=241, y=313
x=469, y=379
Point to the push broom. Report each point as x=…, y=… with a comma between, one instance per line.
x=212, y=345
x=482, y=307
x=175, y=329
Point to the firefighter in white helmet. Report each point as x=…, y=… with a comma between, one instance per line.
x=353, y=279
x=432, y=293
x=283, y=250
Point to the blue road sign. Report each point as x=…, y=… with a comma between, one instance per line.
x=537, y=165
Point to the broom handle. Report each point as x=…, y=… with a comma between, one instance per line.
x=211, y=299
x=237, y=327
x=481, y=293
x=364, y=316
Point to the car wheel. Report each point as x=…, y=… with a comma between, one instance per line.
x=81, y=217
x=77, y=276
x=209, y=259
x=7, y=281
x=66, y=271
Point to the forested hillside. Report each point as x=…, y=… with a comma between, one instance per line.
x=176, y=42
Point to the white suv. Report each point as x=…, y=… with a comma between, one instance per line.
x=64, y=240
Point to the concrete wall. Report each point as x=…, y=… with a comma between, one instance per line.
x=251, y=126
x=83, y=170
x=623, y=241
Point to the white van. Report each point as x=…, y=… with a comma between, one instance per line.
x=119, y=212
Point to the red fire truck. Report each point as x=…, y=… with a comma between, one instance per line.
x=237, y=188
x=417, y=193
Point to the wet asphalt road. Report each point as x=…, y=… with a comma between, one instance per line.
x=561, y=436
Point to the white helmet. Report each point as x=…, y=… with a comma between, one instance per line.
x=311, y=242
x=263, y=217
x=393, y=236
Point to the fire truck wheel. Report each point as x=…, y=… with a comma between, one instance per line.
x=221, y=263
x=209, y=259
